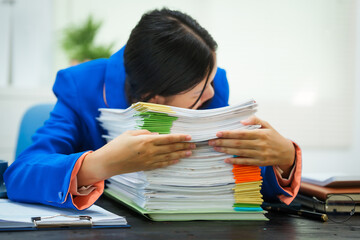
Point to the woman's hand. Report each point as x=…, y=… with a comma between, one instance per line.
x=261, y=147
x=134, y=151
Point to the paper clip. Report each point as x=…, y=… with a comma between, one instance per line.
x=70, y=222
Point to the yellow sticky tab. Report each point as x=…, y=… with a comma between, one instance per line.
x=143, y=107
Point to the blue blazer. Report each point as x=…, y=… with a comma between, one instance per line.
x=41, y=174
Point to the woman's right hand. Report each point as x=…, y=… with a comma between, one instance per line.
x=133, y=151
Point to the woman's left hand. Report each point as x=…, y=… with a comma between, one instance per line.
x=260, y=147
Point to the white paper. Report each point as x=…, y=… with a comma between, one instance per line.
x=23, y=212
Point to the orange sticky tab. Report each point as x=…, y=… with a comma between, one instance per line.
x=246, y=173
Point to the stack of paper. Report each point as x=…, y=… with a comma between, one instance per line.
x=202, y=125
x=201, y=183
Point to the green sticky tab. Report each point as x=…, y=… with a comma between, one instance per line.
x=156, y=122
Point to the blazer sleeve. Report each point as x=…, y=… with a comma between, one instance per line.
x=42, y=173
x=272, y=190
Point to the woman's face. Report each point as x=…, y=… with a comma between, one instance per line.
x=188, y=98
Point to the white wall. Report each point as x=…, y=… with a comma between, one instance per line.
x=119, y=17
x=32, y=43
x=26, y=64
x=297, y=58
x=5, y=14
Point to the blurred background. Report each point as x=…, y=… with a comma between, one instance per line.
x=299, y=59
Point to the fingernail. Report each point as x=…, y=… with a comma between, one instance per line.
x=188, y=153
x=245, y=122
x=211, y=143
x=227, y=160
x=192, y=146
x=188, y=138
x=154, y=133
x=219, y=134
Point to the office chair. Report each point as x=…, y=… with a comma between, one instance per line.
x=33, y=118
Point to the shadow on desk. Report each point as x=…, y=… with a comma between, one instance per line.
x=280, y=226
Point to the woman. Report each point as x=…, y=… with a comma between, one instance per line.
x=169, y=59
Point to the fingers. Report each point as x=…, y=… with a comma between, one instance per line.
x=240, y=134
x=138, y=132
x=171, y=138
x=174, y=147
x=167, y=159
x=234, y=143
x=249, y=153
x=253, y=120
x=155, y=151
x=173, y=156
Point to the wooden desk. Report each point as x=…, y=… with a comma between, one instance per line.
x=279, y=226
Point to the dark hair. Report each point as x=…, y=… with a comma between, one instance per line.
x=167, y=53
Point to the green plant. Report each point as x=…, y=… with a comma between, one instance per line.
x=78, y=41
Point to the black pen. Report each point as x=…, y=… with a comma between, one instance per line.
x=308, y=214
